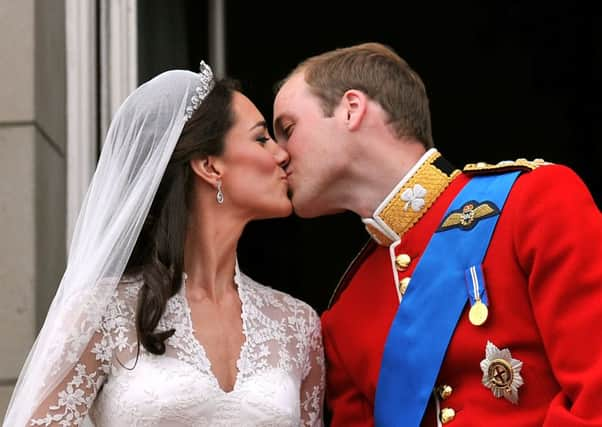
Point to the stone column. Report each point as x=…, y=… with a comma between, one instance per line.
x=32, y=174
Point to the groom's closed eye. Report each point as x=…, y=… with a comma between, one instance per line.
x=278, y=131
x=282, y=128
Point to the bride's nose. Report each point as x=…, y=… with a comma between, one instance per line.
x=280, y=154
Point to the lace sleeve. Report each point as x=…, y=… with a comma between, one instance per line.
x=312, y=387
x=69, y=402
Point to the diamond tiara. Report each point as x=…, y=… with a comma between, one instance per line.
x=202, y=90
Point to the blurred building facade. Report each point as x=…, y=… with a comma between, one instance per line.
x=65, y=66
x=32, y=173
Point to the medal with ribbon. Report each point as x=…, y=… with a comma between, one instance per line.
x=477, y=295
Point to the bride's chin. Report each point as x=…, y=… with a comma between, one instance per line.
x=286, y=209
x=283, y=210
x=289, y=209
x=279, y=208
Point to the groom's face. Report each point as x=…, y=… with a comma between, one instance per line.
x=311, y=139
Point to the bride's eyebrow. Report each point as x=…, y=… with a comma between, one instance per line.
x=261, y=123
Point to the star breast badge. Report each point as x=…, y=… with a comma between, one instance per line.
x=501, y=373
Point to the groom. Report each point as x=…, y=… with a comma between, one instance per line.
x=477, y=300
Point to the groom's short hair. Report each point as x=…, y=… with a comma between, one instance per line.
x=382, y=75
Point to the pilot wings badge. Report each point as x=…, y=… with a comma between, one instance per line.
x=469, y=215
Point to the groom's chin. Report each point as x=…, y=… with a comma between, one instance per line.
x=299, y=208
x=308, y=210
x=304, y=207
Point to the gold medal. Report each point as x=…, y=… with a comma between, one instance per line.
x=478, y=313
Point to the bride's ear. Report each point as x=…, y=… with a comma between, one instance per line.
x=208, y=169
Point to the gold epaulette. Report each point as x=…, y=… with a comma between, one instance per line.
x=482, y=168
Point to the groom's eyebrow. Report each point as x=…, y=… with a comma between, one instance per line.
x=278, y=126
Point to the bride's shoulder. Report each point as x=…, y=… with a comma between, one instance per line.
x=121, y=294
x=270, y=299
x=127, y=287
x=130, y=282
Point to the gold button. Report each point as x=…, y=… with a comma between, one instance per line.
x=447, y=415
x=402, y=262
x=403, y=285
x=444, y=391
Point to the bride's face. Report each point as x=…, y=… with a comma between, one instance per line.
x=254, y=179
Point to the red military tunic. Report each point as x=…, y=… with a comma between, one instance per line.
x=543, y=273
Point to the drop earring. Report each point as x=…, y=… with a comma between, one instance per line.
x=220, y=195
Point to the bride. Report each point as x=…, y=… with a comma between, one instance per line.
x=153, y=323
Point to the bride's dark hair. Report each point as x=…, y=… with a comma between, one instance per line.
x=158, y=254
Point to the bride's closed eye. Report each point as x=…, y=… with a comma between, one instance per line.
x=262, y=139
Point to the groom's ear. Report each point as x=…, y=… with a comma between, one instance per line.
x=354, y=103
x=209, y=169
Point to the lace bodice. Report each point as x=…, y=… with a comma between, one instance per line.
x=280, y=380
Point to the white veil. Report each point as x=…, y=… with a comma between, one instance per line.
x=137, y=149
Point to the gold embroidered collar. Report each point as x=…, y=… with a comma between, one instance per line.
x=410, y=198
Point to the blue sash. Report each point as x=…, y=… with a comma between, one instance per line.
x=431, y=307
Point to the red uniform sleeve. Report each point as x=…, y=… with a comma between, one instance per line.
x=558, y=240
x=346, y=405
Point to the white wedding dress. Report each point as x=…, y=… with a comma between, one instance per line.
x=280, y=380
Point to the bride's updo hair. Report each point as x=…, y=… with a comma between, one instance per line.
x=158, y=254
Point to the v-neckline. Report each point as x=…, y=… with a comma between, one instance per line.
x=200, y=349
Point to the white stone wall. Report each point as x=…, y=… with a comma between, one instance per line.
x=32, y=174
